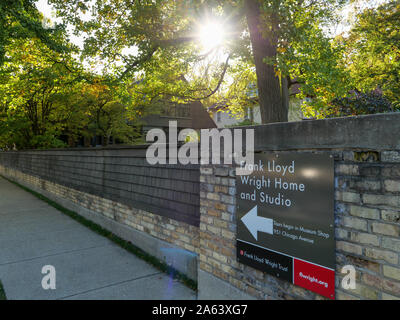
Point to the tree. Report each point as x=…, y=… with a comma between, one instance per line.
x=373, y=51
x=105, y=113
x=272, y=89
x=20, y=19
x=358, y=103
x=265, y=35
x=33, y=84
x=45, y=95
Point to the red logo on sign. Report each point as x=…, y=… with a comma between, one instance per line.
x=314, y=278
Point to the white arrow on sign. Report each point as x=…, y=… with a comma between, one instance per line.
x=255, y=223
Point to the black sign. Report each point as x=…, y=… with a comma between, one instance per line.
x=285, y=221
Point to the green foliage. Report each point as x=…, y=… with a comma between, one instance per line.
x=359, y=104
x=20, y=19
x=169, y=62
x=45, y=95
x=32, y=84
x=305, y=53
x=373, y=51
x=246, y=122
x=242, y=93
x=106, y=115
x=2, y=292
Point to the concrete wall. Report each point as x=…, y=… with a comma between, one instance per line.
x=367, y=205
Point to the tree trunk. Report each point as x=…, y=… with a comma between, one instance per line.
x=86, y=141
x=71, y=141
x=105, y=139
x=273, y=93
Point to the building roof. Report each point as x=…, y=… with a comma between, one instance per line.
x=195, y=116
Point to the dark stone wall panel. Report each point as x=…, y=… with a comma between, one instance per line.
x=121, y=175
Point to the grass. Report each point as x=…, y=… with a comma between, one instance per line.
x=2, y=292
x=119, y=241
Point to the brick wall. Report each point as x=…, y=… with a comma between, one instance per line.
x=367, y=221
x=172, y=231
x=367, y=203
x=367, y=210
x=154, y=207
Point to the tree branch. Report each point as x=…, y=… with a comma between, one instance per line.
x=139, y=61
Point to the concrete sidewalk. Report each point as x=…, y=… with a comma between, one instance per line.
x=88, y=266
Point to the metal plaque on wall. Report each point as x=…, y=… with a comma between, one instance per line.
x=285, y=220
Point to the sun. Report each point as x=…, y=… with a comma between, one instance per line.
x=211, y=35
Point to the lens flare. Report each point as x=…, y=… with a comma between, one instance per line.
x=211, y=35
